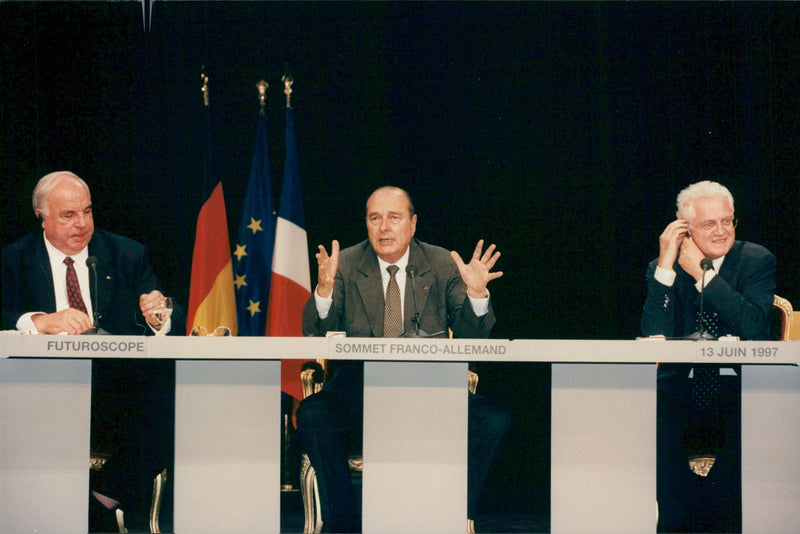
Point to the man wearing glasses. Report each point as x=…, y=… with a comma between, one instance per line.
x=699, y=406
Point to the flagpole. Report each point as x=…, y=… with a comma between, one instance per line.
x=204, y=88
x=262, y=87
x=287, y=87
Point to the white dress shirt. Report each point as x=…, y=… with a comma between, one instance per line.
x=59, y=270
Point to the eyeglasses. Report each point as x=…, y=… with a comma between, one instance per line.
x=709, y=226
x=220, y=331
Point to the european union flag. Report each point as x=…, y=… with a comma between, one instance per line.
x=255, y=242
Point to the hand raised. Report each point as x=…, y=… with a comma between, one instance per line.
x=477, y=273
x=327, y=267
x=670, y=242
x=690, y=258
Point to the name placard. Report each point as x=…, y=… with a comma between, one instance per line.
x=422, y=349
x=401, y=349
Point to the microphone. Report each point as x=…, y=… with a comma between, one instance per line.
x=411, y=270
x=701, y=334
x=91, y=263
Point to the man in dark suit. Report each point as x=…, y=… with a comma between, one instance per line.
x=48, y=289
x=353, y=295
x=699, y=406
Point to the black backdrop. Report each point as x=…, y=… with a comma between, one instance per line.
x=560, y=131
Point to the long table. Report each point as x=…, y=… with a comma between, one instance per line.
x=227, y=448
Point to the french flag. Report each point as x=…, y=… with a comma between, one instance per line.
x=291, y=279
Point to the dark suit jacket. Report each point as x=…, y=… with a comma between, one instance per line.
x=123, y=274
x=142, y=390
x=741, y=293
x=358, y=301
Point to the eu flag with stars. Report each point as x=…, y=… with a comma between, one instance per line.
x=255, y=242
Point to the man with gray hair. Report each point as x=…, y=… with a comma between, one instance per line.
x=362, y=291
x=699, y=415
x=49, y=288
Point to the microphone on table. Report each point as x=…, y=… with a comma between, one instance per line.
x=91, y=263
x=701, y=334
x=411, y=270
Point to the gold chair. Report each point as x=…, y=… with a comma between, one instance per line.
x=795, y=332
x=312, y=376
x=787, y=316
x=159, y=481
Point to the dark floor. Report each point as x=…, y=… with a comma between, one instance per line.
x=490, y=523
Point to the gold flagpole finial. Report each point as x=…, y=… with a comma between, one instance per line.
x=204, y=89
x=262, y=95
x=287, y=88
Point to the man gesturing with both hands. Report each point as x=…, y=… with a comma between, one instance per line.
x=363, y=291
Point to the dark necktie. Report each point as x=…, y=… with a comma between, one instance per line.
x=706, y=383
x=707, y=418
x=705, y=386
x=73, y=288
x=392, y=314
x=708, y=322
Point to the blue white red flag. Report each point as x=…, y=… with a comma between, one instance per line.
x=291, y=278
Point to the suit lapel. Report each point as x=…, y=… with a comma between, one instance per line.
x=105, y=280
x=42, y=284
x=730, y=266
x=423, y=281
x=370, y=289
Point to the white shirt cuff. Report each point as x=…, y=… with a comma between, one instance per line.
x=665, y=276
x=479, y=306
x=323, y=304
x=25, y=323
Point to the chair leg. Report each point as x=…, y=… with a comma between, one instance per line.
x=158, y=495
x=470, y=526
x=310, y=493
x=120, y=520
x=317, y=508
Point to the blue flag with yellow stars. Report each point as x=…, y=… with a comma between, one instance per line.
x=255, y=241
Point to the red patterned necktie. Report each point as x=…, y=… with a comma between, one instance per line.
x=73, y=288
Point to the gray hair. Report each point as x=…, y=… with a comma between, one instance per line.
x=703, y=189
x=47, y=183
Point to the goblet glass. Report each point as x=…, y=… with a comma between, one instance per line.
x=162, y=313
